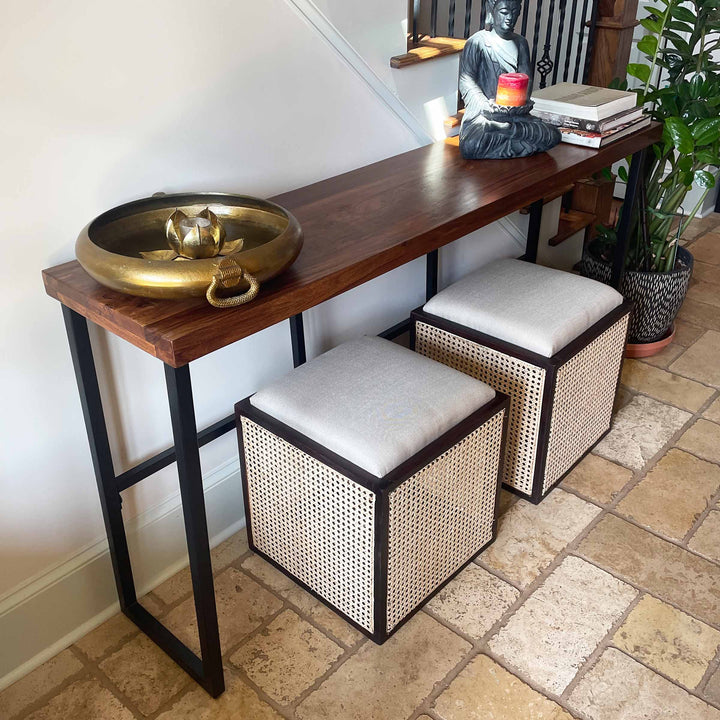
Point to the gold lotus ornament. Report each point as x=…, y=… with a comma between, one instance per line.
x=194, y=238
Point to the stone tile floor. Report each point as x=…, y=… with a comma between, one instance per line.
x=602, y=603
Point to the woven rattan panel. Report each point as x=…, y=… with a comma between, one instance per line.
x=522, y=381
x=441, y=517
x=313, y=521
x=583, y=401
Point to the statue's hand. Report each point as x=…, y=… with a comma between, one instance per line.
x=510, y=111
x=497, y=125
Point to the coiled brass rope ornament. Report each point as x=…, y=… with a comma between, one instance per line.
x=229, y=274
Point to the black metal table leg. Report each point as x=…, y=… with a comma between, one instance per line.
x=431, y=274
x=110, y=500
x=533, y=236
x=182, y=414
x=623, y=232
x=297, y=340
x=207, y=671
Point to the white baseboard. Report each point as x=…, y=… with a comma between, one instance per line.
x=51, y=611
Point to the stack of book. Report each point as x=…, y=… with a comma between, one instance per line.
x=587, y=115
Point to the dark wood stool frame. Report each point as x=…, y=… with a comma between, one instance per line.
x=382, y=487
x=72, y=287
x=551, y=365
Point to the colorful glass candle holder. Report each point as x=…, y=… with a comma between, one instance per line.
x=512, y=90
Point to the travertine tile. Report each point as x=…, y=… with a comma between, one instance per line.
x=83, y=700
x=242, y=606
x=713, y=412
x=286, y=657
x=152, y=604
x=673, y=494
x=712, y=689
x=668, y=640
x=474, y=601
x=562, y=622
x=707, y=248
x=665, y=386
x=486, y=691
x=705, y=272
x=229, y=550
x=531, y=536
x=665, y=356
x=639, y=431
x=180, y=584
x=703, y=439
x=623, y=397
x=280, y=583
x=618, y=688
x=701, y=226
x=705, y=292
x=507, y=500
x=238, y=702
x=39, y=682
x=706, y=539
x=598, y=478
x=666, y=570
x=145, y=674
x=388, y=681
x=107, y=636
x=700, y=314
x=175, y=587
x=686, y=333
x=702, y=359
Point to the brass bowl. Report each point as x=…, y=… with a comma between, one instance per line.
x=110, y=247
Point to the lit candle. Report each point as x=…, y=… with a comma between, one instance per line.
x=512, y=90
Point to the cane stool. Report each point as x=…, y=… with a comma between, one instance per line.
x=371, y=477
x=552, y=341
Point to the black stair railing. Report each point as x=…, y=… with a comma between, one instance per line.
x=560, y=46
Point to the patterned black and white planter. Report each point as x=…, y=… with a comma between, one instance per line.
x=657, y=296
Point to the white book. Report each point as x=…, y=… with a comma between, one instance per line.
x=598, y=140
x=584, y=102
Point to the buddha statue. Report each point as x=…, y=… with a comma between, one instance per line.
x=495, y=131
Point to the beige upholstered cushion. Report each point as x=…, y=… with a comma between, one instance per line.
x=534, y=307
x=373, y=402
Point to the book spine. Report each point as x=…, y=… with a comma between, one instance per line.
x=568, y=121
x=583, y=140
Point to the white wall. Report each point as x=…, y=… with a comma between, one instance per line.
x=102, y=103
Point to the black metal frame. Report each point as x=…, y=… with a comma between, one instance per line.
x=207, y=669
x=381, y=487
x=550, y=365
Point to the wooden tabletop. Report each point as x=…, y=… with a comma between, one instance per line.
x=357, y=226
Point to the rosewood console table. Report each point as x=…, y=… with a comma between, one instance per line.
x=357, y=226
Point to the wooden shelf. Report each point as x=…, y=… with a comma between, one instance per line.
x=571, y=222
x=428, y=49
x=357, y=226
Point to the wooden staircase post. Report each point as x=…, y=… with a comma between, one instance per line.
x=613, y=40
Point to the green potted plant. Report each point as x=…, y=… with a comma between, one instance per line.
x=680, y=87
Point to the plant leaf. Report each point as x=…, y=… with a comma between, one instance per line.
x=639, y=71
x=681, y=13
x=707, y=131
x=680, y=135
x=648, y=45
x=704, y=179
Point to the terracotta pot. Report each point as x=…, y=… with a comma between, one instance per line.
x=642, y=350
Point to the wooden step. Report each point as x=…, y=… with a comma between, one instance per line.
x=571, y=222
x=451, y=125
x=428, y=49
